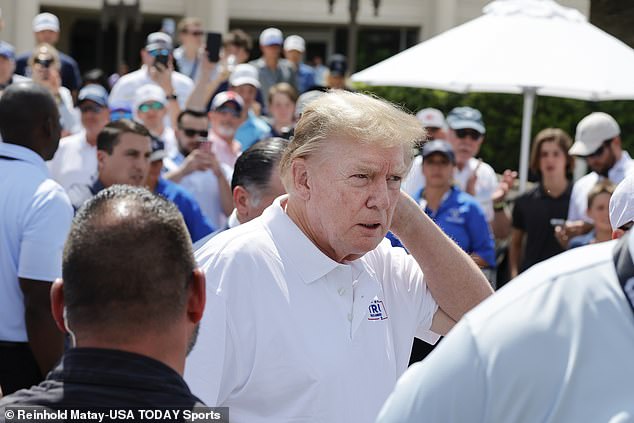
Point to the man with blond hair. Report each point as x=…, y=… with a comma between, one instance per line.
x=308, y=303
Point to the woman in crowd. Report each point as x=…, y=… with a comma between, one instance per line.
x=281, y=107
x=537, y=212
x=598, y=211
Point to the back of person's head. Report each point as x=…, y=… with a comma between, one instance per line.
x=127, y=265
x=25, y=109
x=254, y=167
x=563, y=141
x=110, y=135
x=344, y=115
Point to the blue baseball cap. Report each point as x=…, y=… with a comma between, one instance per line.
x=7, y=50
x=466, y=118
x=95, y=93
x=440, y=147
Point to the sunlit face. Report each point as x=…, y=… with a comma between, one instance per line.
x=47, y=36
x=272, y=51
x=192, y=35
x=248, y=93
x=189, y=132
x=93, y=116
x=599, y=212
x=294, y=56
x=225, y=121
x=464, y=147
x=552, y=159
x=282, y=108
x=438, y=171
x=353, y=191
x=240, y=53
x=151, y=114
x=129, y=162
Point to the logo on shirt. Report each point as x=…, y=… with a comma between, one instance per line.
x=376, y=310
x=454, y=216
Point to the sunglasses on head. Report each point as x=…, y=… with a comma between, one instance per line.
x=94, y=108
x=155, y=105
x=599, y=150
x=195, y=32
x=193, y=132
x=463, y=133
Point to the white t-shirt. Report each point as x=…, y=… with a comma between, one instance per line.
x=74, y=167
x=35, y=217
x=579, y=195
x=290, y=335
x=203, y=185
x=554, y=345
x=486, y=182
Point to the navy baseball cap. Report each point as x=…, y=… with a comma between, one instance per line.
x=466, y=118
x=93, y=92
x=7, y=50
x=440, y=147
x=338, y=65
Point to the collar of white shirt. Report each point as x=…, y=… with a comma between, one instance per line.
x=23, y=154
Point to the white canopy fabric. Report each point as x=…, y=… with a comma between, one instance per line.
x=517, y=46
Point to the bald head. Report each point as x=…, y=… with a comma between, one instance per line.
x=29, y=117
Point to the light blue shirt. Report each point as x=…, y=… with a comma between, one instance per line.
x=252, y=130
x=35, y=217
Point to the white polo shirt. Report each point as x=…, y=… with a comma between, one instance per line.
x=74, y=166
x=554, y=345
x=290, y=335
x=486, y=183
x=579, y=195
x=203, y=185
x=35, y=217
x=124, y=89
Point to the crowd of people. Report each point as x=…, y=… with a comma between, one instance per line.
x=256, y=235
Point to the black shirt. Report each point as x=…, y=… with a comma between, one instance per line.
x=532, y=213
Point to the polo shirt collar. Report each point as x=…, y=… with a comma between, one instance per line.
x=23, y=154
x=297, y=250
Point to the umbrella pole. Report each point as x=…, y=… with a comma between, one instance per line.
x=527, y=117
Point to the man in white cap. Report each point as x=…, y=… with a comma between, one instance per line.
x=244, y=81
x=156, y=68
x=556, y=344
x=598, y=141
x=294, y=49
x=270, y=68
x=150, y=108
x=46, y=30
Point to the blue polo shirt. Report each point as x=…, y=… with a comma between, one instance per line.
x=462, y=219
x=252, y=130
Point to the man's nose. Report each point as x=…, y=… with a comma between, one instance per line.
x=379, y=196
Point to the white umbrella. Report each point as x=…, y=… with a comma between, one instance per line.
x=517, y=46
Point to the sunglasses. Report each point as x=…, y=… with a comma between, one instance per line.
x=463, y=133
x=155, y=105
x=159, y=52
x=193, y=132
x=599, y=150
x=90, y=108
x=228, y=109
x=195, y=33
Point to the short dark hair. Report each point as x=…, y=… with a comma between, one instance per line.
x=190, y=112
x=129, y=268
x=110, y=135
x=238, y=38
x=255, y=165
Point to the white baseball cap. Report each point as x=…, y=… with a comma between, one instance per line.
x=622, y=203
x=245, y=74
x=271, y=36
x=149, y=92
x=431, y=118
x=592, y=131
x=45, y=21
x=295, y=42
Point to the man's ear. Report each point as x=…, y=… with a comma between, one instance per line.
x=101, y=155
x=301, y=178
x=241, y=200
x=197, y=296
x=57, y=304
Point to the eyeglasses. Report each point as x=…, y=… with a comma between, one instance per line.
x=599, y=150
x=45, y=63
x=193, y=132
x=195, y=33
x=155, y=105
x=88, y=108
x=463, y=133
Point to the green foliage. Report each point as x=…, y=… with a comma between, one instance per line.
x=502, y=115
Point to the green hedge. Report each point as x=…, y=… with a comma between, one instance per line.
x=502, y=115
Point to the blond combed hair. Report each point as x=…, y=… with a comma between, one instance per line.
x=363, y=118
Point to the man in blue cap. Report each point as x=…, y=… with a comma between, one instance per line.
x=74, y=166
x=7, y=66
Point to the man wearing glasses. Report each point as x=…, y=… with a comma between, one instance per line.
x=151, y=108
x=74, y=165
x=598, y=141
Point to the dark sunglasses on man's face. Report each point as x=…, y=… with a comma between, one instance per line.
x=159, y=52
x=463, y=133
x=195, y=32
x=599, y=150
x=193, y=132
x=155, y=105
x=88, y=108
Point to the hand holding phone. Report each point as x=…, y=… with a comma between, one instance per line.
x=214, y=42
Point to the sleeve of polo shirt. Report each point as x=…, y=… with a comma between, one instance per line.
x=450, y=385
x=481, y=240
x=518, y=214
x=44, y=231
